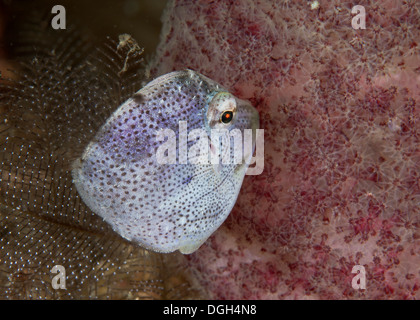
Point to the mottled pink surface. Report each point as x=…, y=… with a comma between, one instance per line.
x=340, y=109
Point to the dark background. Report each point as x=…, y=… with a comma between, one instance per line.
x=102, y=18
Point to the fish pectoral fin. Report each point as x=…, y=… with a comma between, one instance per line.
x=191, y=247
x=217, y=168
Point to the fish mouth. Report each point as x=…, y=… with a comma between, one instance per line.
x=248, y=111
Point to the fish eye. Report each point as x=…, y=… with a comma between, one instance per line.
x=226, y=116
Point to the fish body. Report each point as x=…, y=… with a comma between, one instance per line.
x=165, y=207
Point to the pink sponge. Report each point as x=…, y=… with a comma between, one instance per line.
x=340, y=109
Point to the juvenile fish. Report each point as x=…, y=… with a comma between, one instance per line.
x=170, y=206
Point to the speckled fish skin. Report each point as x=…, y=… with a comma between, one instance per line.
x=163, y=207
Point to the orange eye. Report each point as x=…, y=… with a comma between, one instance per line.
x=227, y=116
